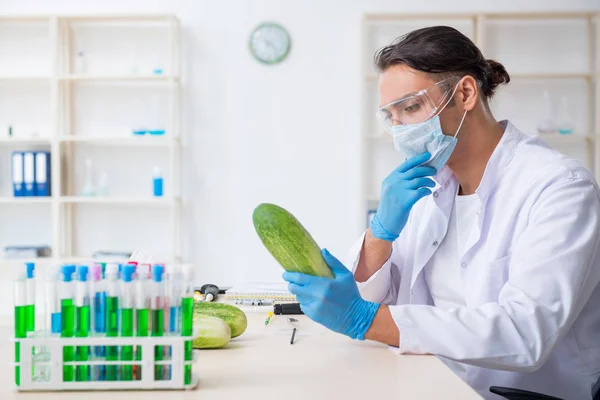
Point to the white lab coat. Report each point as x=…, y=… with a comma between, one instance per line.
x=530, y=274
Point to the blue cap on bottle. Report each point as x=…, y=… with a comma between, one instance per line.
x=128, y=271
x=30, y=268
x=68, y=271
x=157, y=272
x=82, y=273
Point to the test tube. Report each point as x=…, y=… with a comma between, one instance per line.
x=20, y=301
x=67, y=310
x=53, y=319
x=142, y=304
x=158, y=295
x=174, y=289
x=82, y=302
x=98, y=291
x=112, y=317
x=127, y=304
x=187, y=314
x=30, y=297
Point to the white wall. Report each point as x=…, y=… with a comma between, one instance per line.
x=287, y=134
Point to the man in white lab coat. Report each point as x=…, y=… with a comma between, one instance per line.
x=484, y=249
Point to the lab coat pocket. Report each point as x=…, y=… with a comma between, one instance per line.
x=490, y=280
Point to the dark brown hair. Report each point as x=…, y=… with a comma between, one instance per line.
x=443, y=51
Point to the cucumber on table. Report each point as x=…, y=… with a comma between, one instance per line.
x=233, y=316
x=213, y=332
x=287, y=240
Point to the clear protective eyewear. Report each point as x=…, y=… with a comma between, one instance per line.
x=419, y=106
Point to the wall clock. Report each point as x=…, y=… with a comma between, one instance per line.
x=270, y=43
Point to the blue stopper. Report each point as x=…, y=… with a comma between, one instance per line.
x=68, y=271
x=30, y=268
x=82, y=273
x=128, y=271
x=157, y=272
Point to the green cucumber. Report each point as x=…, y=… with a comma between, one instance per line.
x=287, y=240
x=232, y=315
x=213, y=332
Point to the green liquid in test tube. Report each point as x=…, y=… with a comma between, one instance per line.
x=82, y=300
x=20, y=321
x=141, y=331
x=174, y=286
x=158, y=296
x=67, y=310
x=127, y=302
x=142, y=304
x=112, y=318
x=30, y=301
x=30, y=297
x=187, y=314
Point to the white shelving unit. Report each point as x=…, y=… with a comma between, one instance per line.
x=67, y=139
x=499, y=36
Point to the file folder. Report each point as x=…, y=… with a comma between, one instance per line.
x=29, y=173
x=42, y=173
x=17, y=174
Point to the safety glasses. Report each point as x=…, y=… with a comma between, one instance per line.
x=419, y=106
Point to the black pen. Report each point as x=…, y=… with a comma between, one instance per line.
x=293, y=336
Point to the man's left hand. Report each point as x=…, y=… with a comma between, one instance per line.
x=334, y=303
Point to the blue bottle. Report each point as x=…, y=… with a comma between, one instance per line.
x=157, y=182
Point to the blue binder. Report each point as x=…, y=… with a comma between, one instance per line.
x=17, y=174
x=42, y=173
x=29, y=173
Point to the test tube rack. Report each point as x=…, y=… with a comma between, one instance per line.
x=43, y=371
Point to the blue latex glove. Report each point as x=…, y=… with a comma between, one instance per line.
x=406, y=185
x=334, y=303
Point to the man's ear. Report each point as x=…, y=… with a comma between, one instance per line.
x=468, y=93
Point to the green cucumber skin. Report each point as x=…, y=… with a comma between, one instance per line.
x=235, y=318
x=288, y=242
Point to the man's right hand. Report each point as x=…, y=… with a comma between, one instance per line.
x=406, y=185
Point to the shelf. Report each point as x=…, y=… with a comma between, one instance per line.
x=126, y=78
x=8, y=141
x=541, y=15
x=121, y=17
x=417, y=16
x=39, y=261
x=81, y=259
x=527, y=75
x=65, y=95
x=24, y=18
x=556, y=138
x=25, y=200
x=551, y=75
x=493, y=15
x=161, y=201
x=78, y=259
x=141, y=141
x=49, y=260
x=25, y=79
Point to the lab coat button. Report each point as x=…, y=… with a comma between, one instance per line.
x=435, y=243
x=464, y=265
x=435, y=194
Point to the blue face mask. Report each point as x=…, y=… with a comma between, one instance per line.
x=412, y=140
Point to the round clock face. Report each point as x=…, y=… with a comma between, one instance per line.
x=270, y=43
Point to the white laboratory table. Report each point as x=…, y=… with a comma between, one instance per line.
x=261, y=364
